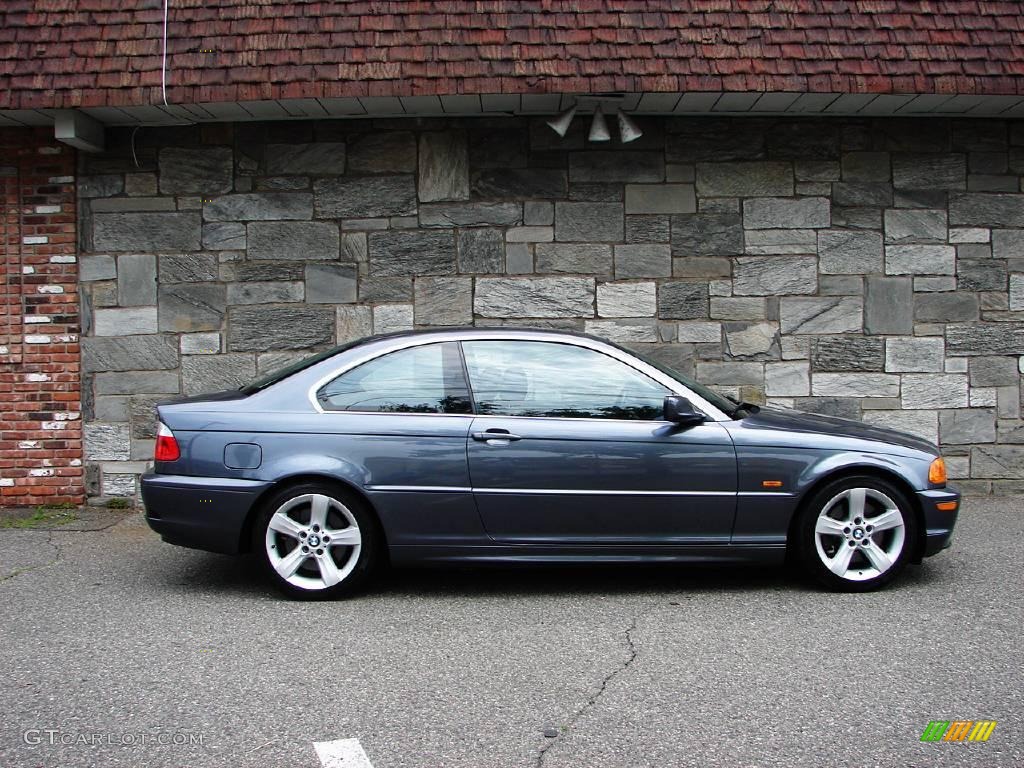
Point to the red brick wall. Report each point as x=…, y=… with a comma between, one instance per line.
x=40, y=390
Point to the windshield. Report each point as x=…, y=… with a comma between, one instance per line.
x=724, y=404
x=299, y=365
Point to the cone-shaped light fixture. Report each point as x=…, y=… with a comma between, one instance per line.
x=560, y=124
x=599, y=127
x=628, y=130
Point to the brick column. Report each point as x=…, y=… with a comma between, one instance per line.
x=40, y=387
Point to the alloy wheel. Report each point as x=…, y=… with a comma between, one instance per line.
x=313, y=541
x=859, y=534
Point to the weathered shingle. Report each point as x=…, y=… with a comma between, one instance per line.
x=68, y=53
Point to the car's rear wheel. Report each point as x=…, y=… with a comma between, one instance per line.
x=316, y=541
x=856, y=534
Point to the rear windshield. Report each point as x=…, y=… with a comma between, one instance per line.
x=299, y=365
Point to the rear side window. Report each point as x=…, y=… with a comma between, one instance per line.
x=424, y=379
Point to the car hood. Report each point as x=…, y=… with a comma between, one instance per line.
x=832, y=427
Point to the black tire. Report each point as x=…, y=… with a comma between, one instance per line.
x=357, y=567
x=862, y=574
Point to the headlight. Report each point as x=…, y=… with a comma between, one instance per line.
x=937, y=472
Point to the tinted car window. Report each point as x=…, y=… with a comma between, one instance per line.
x=425, y=379
x=529, y=378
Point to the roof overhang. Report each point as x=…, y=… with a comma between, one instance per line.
x=679, y=104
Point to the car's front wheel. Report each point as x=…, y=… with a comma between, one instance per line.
x=316, y=541
x=856, y=534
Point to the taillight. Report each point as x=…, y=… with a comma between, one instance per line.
x=166, y=446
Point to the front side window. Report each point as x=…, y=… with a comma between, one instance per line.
x=424, y=379
x=534, y=378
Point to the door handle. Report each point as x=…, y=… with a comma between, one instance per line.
x=495, y=435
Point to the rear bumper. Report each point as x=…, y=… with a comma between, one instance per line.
x=938, y=523
x=200, y=512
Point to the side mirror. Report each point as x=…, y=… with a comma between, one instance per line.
x=680, y=411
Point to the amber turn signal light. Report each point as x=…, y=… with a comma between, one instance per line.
x=946, y=506
x=937, y=472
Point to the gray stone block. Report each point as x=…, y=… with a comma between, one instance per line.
x=933, y=390
x=373, y=290
x=981, y=275
x=391, y=152
x=847, y=353
x=627, y=299
x=365, y=196
x=534, y=297
x=765, y=242
x=353, y=247
x=660, y=198
x=354, y=322
x=833, y=314
x=786, y=213
x=865, y=166
x=932, y=171
x=262, y=329
x=267, y=271
x=973, y=339
x=582, y=258
x=224, y=236
x=1008, y=243
x=129, y=353
x=945, y=307
x=589, y=222
x=681, y=300
x=745, y=179
x=128, y=204
x=920, y=260
x=125, y=322
x=281, y=240
x=841, y=285
x=481, y=250
x=520, y=183
x=968, y=425
x=698, y=266
x=752, y=340
x=106, y=442
x=915, y=226
x=643, y=261
x=775, y=275
x=707, y=234
x=786, y=379
x=731, y=374
x=214, y=373
x=191, y=307
x=998, y=461
x=203, y=343
x=390, y=318
x=324, y=158
x=849, y=252
x=889, y=305
x=331, y=283
x=115, y=408
x=731, y=308
x=915, y=355
x=862, y=194
x=136, y=280
x=103, y=185
x=260, y=206
x=921, y=423
x=623, y=331
x=470, y=214
x=146, y=231
x=195, y=171
x=443, y=166
x=186, y=268
x=855, y=385
x=411, y=252
x=137, y=382
x=264, y=293
x=648, y=229
x=98, y=267
x=443, y=301
x=978, y=209
x=143, y=417
x=843, y=407
x=538, y=213
x=616, y=167
x=994, y=371
x=518, y=259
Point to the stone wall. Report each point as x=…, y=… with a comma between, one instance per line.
x=869, y=269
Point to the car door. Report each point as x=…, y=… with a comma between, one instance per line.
x=569, y=447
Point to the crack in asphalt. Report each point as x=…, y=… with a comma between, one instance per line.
x=29, y=568
x=590, y=702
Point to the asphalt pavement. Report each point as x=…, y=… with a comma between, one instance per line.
x=119, y=650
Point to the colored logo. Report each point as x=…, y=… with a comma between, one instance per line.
x=958, y=730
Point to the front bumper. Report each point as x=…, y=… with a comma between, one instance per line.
x=938, y=523
x=200, y=512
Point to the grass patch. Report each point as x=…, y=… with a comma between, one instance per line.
x=41, y=516
x=118, y=502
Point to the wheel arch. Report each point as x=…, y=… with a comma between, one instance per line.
x=853, y=470
x=245, y=541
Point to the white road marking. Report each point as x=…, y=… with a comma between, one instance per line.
x=342, y=753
